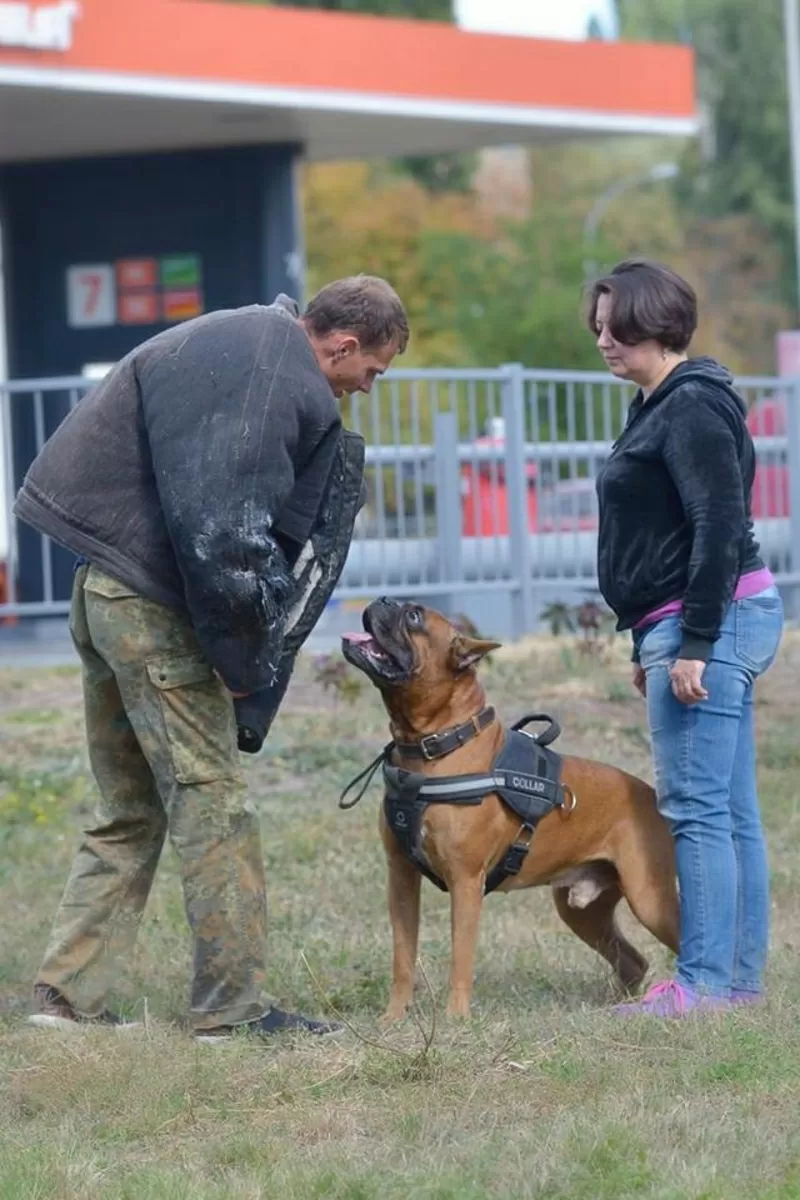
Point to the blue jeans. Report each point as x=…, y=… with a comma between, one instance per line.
x=705, y=773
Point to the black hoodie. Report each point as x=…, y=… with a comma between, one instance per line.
x=675, y=504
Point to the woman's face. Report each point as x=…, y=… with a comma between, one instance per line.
x=641, y=363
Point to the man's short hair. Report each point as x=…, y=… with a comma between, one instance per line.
x=361, y=304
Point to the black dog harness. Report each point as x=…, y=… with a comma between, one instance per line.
x=524, y=773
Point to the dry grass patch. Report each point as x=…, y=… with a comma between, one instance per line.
x=541, y=1094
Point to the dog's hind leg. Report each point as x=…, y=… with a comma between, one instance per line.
x=655, y=904
x=595, y=925
x=404, y=895
x=647, y=875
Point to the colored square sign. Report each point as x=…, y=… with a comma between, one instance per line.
x=134, y=273
x=135, y=291
x=181, y=304
x=91, y=296
x=139, y=308
x=181, y=271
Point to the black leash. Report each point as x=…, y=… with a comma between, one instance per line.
x=367, y=775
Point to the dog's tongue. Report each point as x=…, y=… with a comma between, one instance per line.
x=368, y=645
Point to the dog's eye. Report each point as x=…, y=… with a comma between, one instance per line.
x=414, y=617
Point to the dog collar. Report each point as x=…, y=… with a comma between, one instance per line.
x=433, y=745
x=483, y=718
x=439, y=745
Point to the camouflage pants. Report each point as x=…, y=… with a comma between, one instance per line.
x=162, y=745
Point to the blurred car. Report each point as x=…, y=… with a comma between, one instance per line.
x=570, y=505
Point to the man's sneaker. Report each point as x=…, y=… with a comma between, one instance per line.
x=54, y=1011
x=274, y=1021
x=671, y=999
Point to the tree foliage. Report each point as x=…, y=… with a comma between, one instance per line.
x=741, y=163
x=440, y=172
x=479, y=290
x=511, y=297
x=483, y=290
x=361, y=217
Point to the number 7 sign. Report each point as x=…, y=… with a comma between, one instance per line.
x=91, y=296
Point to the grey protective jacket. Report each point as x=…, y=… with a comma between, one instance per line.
x=192, y=473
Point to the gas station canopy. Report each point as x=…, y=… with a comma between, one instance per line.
x=96, y=77
x=147, y=154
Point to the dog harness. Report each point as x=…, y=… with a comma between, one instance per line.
x=524, y=773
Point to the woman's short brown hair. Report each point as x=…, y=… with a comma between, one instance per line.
x=648, y=300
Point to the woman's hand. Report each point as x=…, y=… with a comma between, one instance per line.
x=686, y=677
x=640, y=678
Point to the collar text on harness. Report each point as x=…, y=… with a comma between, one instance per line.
x=524, y=783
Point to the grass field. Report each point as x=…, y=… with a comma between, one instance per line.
x=541, y=1094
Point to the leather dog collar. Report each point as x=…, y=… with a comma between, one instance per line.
x=439, y=745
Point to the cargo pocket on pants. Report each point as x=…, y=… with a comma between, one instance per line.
x=198, y=718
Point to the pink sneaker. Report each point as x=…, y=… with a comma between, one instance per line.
x=671, y=999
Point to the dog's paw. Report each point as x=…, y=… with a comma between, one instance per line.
x=457, y=1010
x=393, y=1015
x=632, y=976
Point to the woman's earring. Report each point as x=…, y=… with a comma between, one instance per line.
x=663, y=354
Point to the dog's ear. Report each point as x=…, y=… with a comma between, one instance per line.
x=466, y=651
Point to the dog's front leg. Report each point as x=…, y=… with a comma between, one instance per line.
x=466, y=898
x=404, y=892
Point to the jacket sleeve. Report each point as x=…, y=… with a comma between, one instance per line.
x=227, y=427
x=701, y=454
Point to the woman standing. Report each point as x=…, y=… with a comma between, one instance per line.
x=679, y=566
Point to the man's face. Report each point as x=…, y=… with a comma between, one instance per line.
x=350, y=368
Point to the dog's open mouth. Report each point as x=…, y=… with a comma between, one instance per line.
x=368, y=646
x=364, y=651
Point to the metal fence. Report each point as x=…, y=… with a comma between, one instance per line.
x=480, y=482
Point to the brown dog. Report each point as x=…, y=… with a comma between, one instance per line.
x=607, y=842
